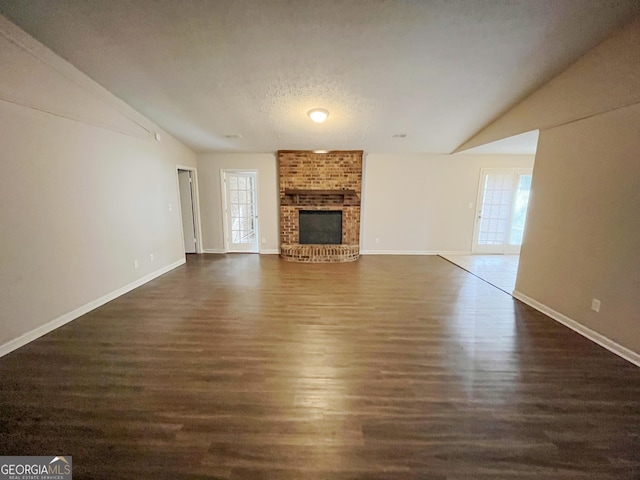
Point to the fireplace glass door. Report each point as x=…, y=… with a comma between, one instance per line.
x=323, y=227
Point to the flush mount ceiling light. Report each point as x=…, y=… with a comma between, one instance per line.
x=318, y=115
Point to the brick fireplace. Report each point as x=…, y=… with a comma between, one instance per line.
x=325, y=182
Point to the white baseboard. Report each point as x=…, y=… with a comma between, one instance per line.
x=454, y=252
x=276, y=251
x=459, y=252
x=594, y=336
x=413, y=252
x=37, y=332
x=266, y=251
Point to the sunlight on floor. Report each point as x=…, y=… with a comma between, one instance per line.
x=498, y=270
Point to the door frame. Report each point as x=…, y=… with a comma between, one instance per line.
x=506, y=248
x=225, y=217
x=195, y=200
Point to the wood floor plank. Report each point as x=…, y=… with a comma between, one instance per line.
x=250, y=367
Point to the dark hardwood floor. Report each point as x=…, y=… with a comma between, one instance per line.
x=249, y=367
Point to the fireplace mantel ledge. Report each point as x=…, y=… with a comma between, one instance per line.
x=310, y=191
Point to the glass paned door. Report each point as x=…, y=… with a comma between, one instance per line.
x=503, y=198
x=520, y=204
x=241, y=219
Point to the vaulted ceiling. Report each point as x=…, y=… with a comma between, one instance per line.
x=436, y=71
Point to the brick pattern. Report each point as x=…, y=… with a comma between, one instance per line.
x=320, y=171
x=320, y=253
x=289, y=234
x=301, y=170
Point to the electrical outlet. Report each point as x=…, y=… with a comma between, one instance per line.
x=377, y=240
x=264, y=240
x=151, y=258
x=170, y=207
x=595, y=305
x=136, y=264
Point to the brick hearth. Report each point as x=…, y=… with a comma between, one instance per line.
x=315, y=181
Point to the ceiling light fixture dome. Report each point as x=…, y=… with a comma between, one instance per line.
x=318, y=115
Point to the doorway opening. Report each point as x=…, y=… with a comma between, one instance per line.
x=189, y=209
x=503, y=199
x=240, y=197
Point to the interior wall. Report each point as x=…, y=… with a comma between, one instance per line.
x=209, y=166
x=583, y=227
x=424, y=203
x=187, y=213
x=85, y=190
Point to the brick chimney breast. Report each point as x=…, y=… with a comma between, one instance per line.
x=320, y=181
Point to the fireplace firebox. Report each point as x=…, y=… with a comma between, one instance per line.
x=320, y=227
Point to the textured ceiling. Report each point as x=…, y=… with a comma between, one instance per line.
x=437, y=71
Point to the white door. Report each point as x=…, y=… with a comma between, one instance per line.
x=185, y=186
x=503, y=197
x=241, y=211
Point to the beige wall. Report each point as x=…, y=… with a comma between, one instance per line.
x=583, y=231
x=420, y=203
x=209, y=166
x=84, y=190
